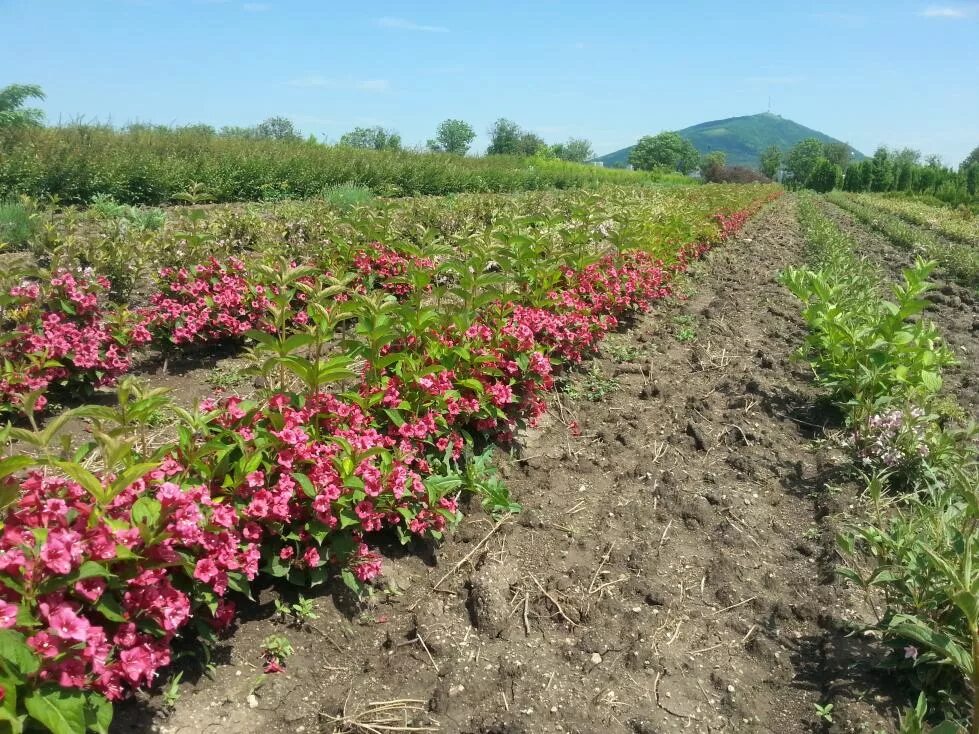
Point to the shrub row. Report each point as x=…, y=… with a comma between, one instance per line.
x=79, y=163
x=960, y=260
x=110, y=551
x=913, y=550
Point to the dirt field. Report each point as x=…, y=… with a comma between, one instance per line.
x=672, y=569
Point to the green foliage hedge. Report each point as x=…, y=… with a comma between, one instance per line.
x=77, y=163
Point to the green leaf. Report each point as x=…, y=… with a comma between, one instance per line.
x=108, y=606
x=131, y=474
x=904, y=625
x=931, y=380
x=16, y=655
x=14, y=464
x=146, y=511
x=91, y=569
x=395, y=417
x=98, y=714
x=89, y=482
x=348, y=517
x=61, y=710
x=350, y=580
x=306, y=484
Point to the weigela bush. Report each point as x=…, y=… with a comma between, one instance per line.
x=99, y=591
x=62, y=332
x=213, y=302
x=384, y=267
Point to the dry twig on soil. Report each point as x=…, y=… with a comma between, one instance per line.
x=381, y=717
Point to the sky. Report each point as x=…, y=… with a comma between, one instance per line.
x=900, y=73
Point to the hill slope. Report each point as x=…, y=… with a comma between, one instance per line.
x=742, y=139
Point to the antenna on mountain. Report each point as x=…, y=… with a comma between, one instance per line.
x=769, y=103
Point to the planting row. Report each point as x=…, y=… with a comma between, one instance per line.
x=959, y=224
x=379, y=379
x=912, y=548
x=958, y=259
x=130, y=245
x=78, y=163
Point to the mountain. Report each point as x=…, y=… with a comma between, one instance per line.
x=742, y=139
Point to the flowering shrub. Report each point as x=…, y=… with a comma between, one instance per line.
x=100, y=572
x=61, y=332
x=99, y=589
x=309, y=475
x=385, y=268
x=896, y=440
x=214, y=302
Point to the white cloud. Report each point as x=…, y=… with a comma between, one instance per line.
x=408, y=25
x=322, y=82
x=256, y=7
x=952, y=12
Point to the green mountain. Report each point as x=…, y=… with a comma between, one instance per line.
x=742, y=139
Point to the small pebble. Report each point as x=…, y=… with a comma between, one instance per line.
x=252, y=701
x=596, y=658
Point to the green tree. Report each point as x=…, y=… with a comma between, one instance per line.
x=276, y=128
x=837, y=153
x=530, y=144
x=576, y=150
x=825, y=176
x=801, y=161
x=857, y=177
x=372, y=138
x=971, y=159
x=712, y=165
x=667, y=150
x=972, y=179
x=881, y=170
x=770, y=161
x=908, y=156
x=13, y=113
x=452, y=136
x=504, y=138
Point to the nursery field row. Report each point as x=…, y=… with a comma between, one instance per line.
x=960, y=225
x=909, y=543
x=958, y=258
x=79, y=163
x=383, y=371
x=130, y=245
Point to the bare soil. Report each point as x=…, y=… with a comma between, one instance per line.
x=671, y=569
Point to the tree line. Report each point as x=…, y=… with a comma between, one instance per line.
x=451, y=136
x=823, y=167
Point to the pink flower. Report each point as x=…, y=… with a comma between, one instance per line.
x=8, y=615
x=90, y=589
x=137, y=664
x=273, y=665
x=45, y=645
x=67, y=625
x=311, y=557
x=206, y=570
x=61, y=551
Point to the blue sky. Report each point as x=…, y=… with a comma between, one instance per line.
x=895, y=72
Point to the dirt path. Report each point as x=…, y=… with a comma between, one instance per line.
x=668, y=572
x=955, y=308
